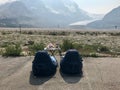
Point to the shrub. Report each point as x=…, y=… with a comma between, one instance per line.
x=63, y=33
x=1, y=52
x=93, y=55
x=91, y=50
x=53, y=33
x=77, y=46
x=36, y=47
x=30, y=32
x=67, y=44
x=104, y=49
x=12, y=50
x=84, y=48
x=4, y=44
x=5, y=32
x=30, y=42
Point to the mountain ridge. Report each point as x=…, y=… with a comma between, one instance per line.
x=110, y=20
x=41, y=13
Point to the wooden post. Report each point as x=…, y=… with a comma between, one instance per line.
x=20, y=29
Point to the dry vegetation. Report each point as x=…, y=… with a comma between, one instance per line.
x=87, y=42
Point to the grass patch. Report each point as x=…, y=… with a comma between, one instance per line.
x=85, y=49
x=12, y=50
x=88, y=43
x=104, y=49
x=67, y=44
x=36, y=47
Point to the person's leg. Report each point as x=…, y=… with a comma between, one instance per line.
x=53, y=60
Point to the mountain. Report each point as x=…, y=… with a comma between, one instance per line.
x=109, y=21
x=13, y=14
x=41, y=13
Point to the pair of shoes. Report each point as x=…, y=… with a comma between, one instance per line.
x=46, y=65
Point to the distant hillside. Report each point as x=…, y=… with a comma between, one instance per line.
x=13, y=14
x=41, y=13
x=110, y=20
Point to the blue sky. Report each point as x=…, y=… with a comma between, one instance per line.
x=93, y=6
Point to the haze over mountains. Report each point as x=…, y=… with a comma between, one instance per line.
x=51, y=13
x=41, y=13
x=109, y=21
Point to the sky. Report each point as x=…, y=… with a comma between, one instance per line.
x=98, y=6
x=92, y=6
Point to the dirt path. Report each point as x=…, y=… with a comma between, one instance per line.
x=98, y=74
